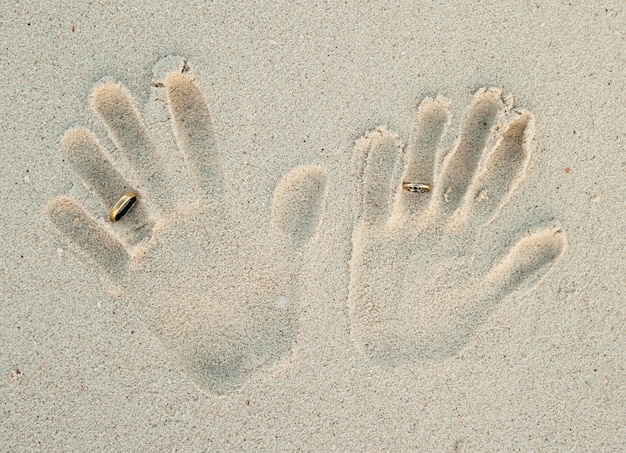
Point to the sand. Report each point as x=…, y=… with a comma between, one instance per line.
x=359, y=227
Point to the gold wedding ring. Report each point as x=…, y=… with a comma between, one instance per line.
x=416, y=187
x=124, y=205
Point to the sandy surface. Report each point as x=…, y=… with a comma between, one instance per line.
x=275, y=287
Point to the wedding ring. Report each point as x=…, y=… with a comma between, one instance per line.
x=124, y=205
x=416, y=187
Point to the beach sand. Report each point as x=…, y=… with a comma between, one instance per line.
x=358, y=227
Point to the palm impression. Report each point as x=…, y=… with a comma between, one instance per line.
x=426, y=267
x=223, y=309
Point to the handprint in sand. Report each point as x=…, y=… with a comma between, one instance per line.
x=223, y=310
x=427, y=264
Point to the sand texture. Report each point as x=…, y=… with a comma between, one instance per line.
x=369, y=227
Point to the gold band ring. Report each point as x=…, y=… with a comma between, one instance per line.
x=416, y=187
x=124, y=205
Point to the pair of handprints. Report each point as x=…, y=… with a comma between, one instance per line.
x=411, y=249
